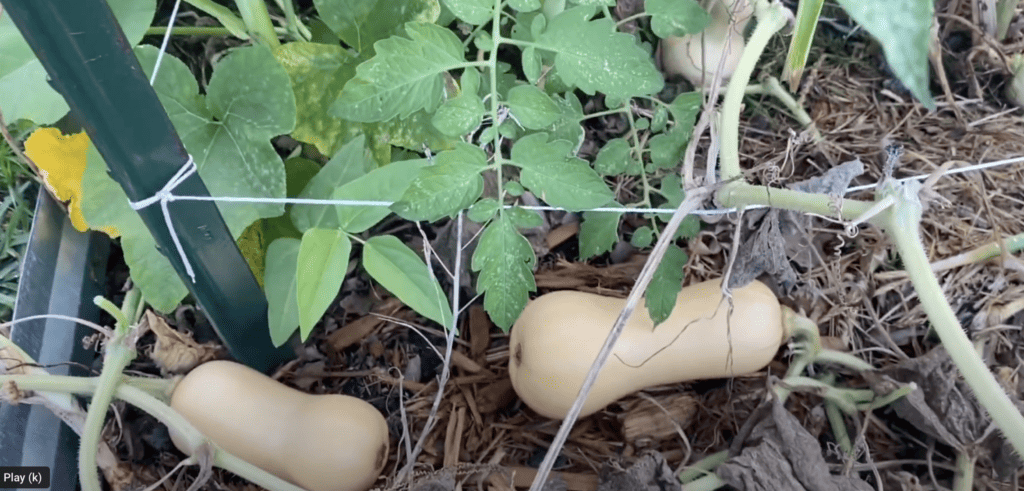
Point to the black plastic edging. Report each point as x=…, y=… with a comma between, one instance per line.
x=63, y=269
x=91, y=64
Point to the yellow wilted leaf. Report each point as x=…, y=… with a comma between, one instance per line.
x=61, y=160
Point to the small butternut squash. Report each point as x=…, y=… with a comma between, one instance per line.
x=319, y=442
x=557, y=337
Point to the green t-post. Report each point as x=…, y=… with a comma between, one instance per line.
x=91, y=64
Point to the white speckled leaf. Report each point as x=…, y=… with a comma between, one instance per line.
x=505, y=261
x=591, y=56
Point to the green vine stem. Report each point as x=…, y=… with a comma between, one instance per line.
x=770, y=18
x=145, y=401
x=703, y=467
x=223, y=15
x=709, y=482
x=120, y=351
x=257, y=20
x=964, y=478
x=771, y=86
x=740, y=194
x=903, y=222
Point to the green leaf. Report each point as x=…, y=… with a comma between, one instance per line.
x=282, y=290
x=360, y=23
x=599, y=232
x=607, y=3
x=451, y=184
x=903, y=27
x=568, y=126
x=322, y=262
x=531, y=107
x=672, y=190
x=483, y=210
x=405, y=76
x=382, y=184
x=591, y=55
x=666, y=283
x=807, y=14
x=676, y=17
x=688, y=228
x=523, y=218
x=531, y=64
x=667, y=148
x=642, y=237
x=505, y=261
x=684, y=109
x=513, y=188
x=475, y=12
x=614, y=157
x=463, y=113
x=660, y=119
x=346, y=165
x=24, y=91
x=396, y=267
x=555, y=177
x=524, y=5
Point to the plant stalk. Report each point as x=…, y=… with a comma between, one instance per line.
x=257, y=21
x=903, y=223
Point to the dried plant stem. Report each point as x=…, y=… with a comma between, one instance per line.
x=694, y=198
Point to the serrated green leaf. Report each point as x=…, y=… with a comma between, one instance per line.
x=405, y=76
x=676, y=17
x=665, y=285
x=475, y=12
x=555, y=177
x=599, y=232
x=513, y=188
x=684, y=109
x=523, y=218
x=524, y=5
x=451, y=184
x=323, y=256
x=386, y=183
x=459, y=115
x=483, y=210
x=348, y=164
x=672, y=190
x=568, y=126
x=591, y=55
x=903, y=27
x=282, y=289
x=531, y=107
x=360, y=23
x=396, y=267
x=505, y=261
x=642, y=237
x=667, y=148
x=613, y=158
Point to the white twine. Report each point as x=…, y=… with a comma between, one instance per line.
x=165, y=196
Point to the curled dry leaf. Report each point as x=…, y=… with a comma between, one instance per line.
x=176, y=352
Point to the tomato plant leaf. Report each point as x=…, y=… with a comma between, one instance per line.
x=531, y=107
x=360, y=23
x=667, y=148
x=676, y=17
x=567, y=127
x=591, y=55
x=404, y=76
x=324, y=256
x=665, y=285
x=483, y=210
x=453, y=183
x=459, y=115
x=524, y=5
x=614, y=157
x=382, y=184
x=505, y=261
x=396, y=267
x=348, y=164
x=555, y=177
x=903, y=27
x=282, y=289
x=475, y=12
x=599, y=232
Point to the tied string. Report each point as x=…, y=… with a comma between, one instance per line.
x=165, y=196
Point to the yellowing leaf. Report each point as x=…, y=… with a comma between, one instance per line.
x=61, y=161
